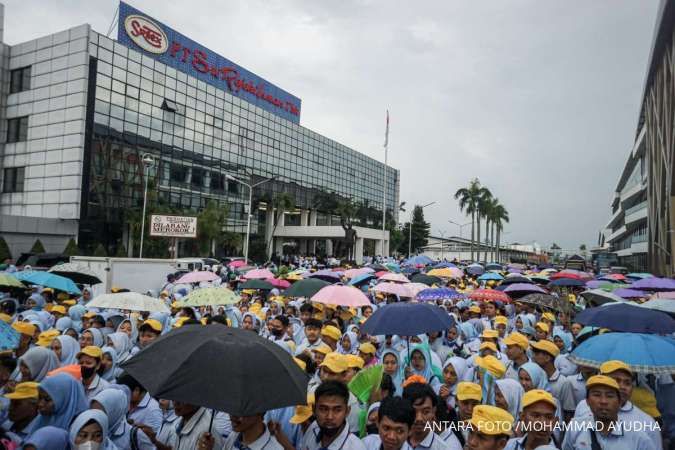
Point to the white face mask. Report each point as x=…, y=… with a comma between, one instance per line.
x=89, y=445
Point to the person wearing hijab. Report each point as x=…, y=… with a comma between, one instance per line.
x=65, y=348
x=453, y=340
x=420, y=363
x=349, y=344
x=47, y=438
x=109, y=370
x=114, y=403
x=76, y=312
x=469, y=335
x=122, y=345
x=86, y=296
x=63, y=324
x=61, y=397
x=36, y=302
x=563, y=340
x=36, y=362
x=531, y=376
x=455, y=370
x=129, y=327
x=251, y=322
x=114, y=320
x=508, y=394
x=391, y=365
x=91, y=426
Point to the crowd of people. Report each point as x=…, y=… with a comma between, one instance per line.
x=499, y=378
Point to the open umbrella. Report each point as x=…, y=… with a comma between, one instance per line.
x=444, y=264
x=131, y=301
x=351, y=273
x=493, y=266
x=9, y=337
x=546, y=301
x=475, y=269
x=305, y=288
x=258, y=274
x=425, y=279
x=79, y=274
x=49, y=280
x=654, y=284
x=361, y=279
x=378, y=267
x=340, y=295
x=597, y=297
x=416, y=288
x=327, y=275
x=644, y=353
x=395, y=278
x=594, y=284
x=639, y=276
x=629, y=293
x=628, y=318
x=10, y=281
x=278, y=283
x=256, y=284
x=197, y=277
x=490, y=276
x=520, y=289
x=433, y=294
x=489, y=295
x=660, y=304
x=407, y=319
x=573, y=274
x=211, y=296
x=668, y=294
x=567, y=282
x=516, y=278
x=419, y=260
x=447, y=272
x=198, y=367
x=237, y=263
x=393, y=288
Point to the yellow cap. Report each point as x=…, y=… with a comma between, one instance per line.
x=175, y=305
x=91, y=350
x=301, y=364
x=354, y=361
x=62, y=296
x=24, y=328
x=154, y=324
x=612, y=366
x=48, y=290
x=303, y=412
x=543, y=326
x=491, y=420
x=70, y=302
x=331, y=332
x=291, y=345
x=546, y=346
x=367, y=348
x=5, y=317
x=537, y=395
x=323, y=348
x=89, y=315
x=474, y=309
x=46, y=337
x=548, y=316
x=645, y=400
x=335, y=362
x=59, y=309
x=492, y=365
x=601, y=380
x=28, y=389
x=490, y=334
x=469, y=391
x=518, y=339
x=179, y=321
x=501, y=320
x=488, y=346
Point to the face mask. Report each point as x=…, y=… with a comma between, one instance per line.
x=277, y=333
x=87, y=372
x=89, y=445
x=372, y=429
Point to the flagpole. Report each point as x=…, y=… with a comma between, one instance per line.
x=384, y=188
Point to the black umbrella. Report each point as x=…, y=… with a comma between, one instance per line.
x=226, y=369
x=407, y=319
x=516, y=279
x=546, y=301
x=305, y=288
x=257, y=284
x=627, y=318
x=78, y=274
x=426, y=279
x=379, y=268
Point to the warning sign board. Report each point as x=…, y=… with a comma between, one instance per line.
x=173, y=226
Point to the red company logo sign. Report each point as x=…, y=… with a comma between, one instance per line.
x=146, y=34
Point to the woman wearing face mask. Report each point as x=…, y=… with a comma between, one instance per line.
x=89, y=431
x=372, y=419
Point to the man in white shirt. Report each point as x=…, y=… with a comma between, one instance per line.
x=490, y=428
x=424, y=402
x=250, y=432
x=395, y=418
x=545, y=352
x=538, y=420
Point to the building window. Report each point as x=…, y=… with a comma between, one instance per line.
x=17, y=129
x=217, y=181
x=19, y=80
x=12, y=179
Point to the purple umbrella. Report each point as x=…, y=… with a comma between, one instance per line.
x=524, y=288
x=629, y=293
x=326, y=275
x=654, y=284
x=597, y=284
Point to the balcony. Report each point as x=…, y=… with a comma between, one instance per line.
x=617, y=234
x=632, y=191
x=636, y=213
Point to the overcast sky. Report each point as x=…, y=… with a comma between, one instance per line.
x=539, y=100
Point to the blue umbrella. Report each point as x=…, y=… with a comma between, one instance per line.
x=628, y=318
x=360, y=279
x=639, y=276
x=49, y=280
x=407, y=319
x=443, y=265
x=490, y=276
x=644, y=353
x=417, y=260
x=494, y=266
x=475, y=269
x=567, y=282
x=434, y=294
x=9, y=337
x=654, y=284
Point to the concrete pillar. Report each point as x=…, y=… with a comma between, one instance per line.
x=304, y=217
x=358, y=251
x=378, y=247
x=385, y=253
x=269, y=226
x=303, y=246
x=313, y=215
x=329, y=247
x=279, y=246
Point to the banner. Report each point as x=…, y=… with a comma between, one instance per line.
x=173, y=226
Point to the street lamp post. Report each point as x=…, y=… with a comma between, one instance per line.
x=250, y=207
x=461, y=226
x=148, y=161
x=442, y=233
x=412, y=213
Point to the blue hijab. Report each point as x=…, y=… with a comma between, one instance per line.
x=566, y=338
x=48, y=438
x=110, y=374
x=537, y=375
x=68, y=397
x=63, y=324
x=429, y=371
x=353, y=342
x=75, y=313
x=69, y=350
x=468, y=332
x=397, y=378
x=115, y=405
x=97, y=416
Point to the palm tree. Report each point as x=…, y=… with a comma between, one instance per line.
x=490, y=206
x=469, y=202
x=483, y=209
x=499, y=216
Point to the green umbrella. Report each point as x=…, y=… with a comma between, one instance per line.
x=426, y=279
x=211, y=296
x=10, y=281
x=256, y=284
x=305, y=288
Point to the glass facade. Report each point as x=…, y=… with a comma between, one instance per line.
x=196, y=135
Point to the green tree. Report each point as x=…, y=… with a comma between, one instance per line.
x=210, y=223
x=5, y=253
x=281, y=204
x=420, y=232
x=470, y=199
x=499, y=216
x=582, y=247
x=37, y=247
x=71, y=248
x=100, y=251
x=121, y=251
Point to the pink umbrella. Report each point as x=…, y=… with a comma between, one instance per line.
x=341, y=295
x=668, y=295
x=395, y=277
x=381, y=273
x=281, y=284
x=353, y=273
x=237, y=263
x=399, y=289
x=416, y=288
x=258, y=274
x=197, y=277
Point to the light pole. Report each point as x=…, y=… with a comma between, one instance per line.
x=442, y=233
x=461, y=226
x=148, y=161
x=250, y=207
x=412, y=213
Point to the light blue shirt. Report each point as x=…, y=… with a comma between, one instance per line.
x=578, y=388
x=344, y=441
x=432, y=441
x=519, y=443
x=578, y=437
x=373, y=442
x=147, y=413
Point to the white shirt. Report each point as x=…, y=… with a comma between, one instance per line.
x=373, y=442
x=450, y=439
x=579, y=438
x=97, y=385
x=578, y=388
x=265, y=442
x=186, y=435
x=344, y=441
x=519, y=443
x=432, y=441
x=562, y=390
x=147, y=413
x=306, y=345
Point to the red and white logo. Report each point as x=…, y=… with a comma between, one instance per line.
x=146, y=34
